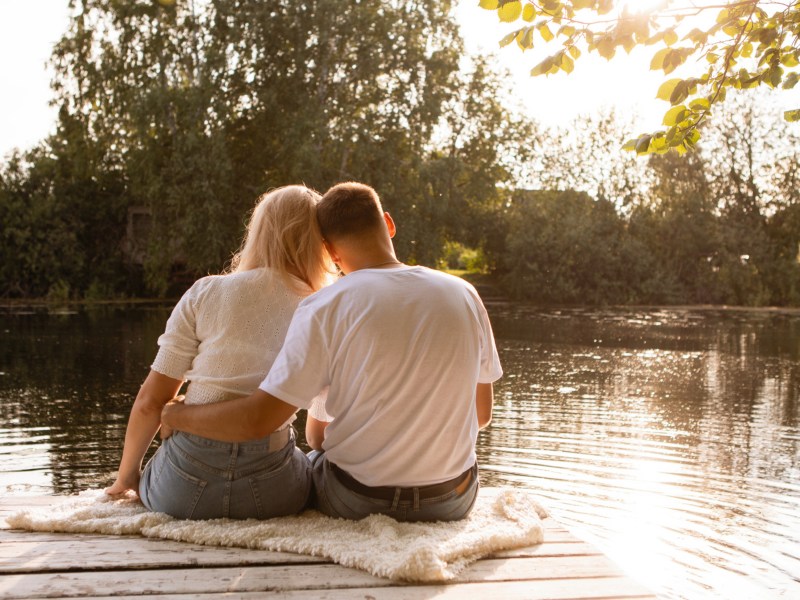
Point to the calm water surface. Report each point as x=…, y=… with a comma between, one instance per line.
x=669, y=438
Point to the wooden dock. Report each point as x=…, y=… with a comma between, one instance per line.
x=60, y=565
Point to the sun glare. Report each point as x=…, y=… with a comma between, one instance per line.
x=642, y=6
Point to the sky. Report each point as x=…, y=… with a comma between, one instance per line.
x=29, y=28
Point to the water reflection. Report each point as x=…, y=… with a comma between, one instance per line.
x=69, y=378
x=670, y=438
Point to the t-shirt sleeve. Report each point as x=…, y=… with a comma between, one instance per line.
x=490, y=370
x=178, y=345
x=317, y=408
x=301, y=370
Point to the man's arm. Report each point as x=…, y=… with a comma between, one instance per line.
x=484, y=398
x=238, y=420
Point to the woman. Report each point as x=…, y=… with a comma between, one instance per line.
x=223, y=336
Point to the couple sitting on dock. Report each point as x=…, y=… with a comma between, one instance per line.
x=394, y=364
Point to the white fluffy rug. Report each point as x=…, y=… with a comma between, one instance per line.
x=419, y=552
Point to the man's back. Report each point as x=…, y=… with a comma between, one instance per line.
x=402, y=350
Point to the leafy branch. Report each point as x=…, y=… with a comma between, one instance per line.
x=746, y=47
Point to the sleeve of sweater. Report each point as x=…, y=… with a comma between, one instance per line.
x=179, y=343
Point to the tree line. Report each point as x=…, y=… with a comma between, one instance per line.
x=175, y=116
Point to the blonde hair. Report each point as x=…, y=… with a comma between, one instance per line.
x=283, y=234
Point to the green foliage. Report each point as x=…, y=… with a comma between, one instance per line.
x=457, y=257
x=39, y=241
x=565, y=247
x=186, y=112
x=750, y=44
x=576, y=157
x=186, y=116
x=717, y=226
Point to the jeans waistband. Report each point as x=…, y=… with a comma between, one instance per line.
x=271, y=443
x=458, y=483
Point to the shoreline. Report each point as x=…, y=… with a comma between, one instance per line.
x=489, y=299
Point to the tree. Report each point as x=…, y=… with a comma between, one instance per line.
x=678, y=227
x=203, y=106
x=576, y=157
x=480, y=147
x=751, y=43
x=566, y=248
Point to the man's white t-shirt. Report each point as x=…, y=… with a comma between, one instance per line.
x=401, y=351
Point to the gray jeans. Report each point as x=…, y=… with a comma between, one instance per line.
x=334, y=499
x=191, y=477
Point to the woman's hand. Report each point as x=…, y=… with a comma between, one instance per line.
x=123, y=485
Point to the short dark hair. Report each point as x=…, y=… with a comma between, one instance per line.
x=349, y=209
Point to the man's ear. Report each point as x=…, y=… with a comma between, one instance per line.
x=331, y=251
x=390, y=224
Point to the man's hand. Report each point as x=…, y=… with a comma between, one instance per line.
x=169, y=408
x=237, y=420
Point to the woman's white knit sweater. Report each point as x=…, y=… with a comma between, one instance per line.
x=225, y=332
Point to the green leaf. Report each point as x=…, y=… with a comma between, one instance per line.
x=699, y=104
x=509, y=38
x=657, y=63
x=510, y=11
x=643, y=144
x=655, y=38
x=566, y=31
x=792, y=115
x=630, y=145
x=666, y=89
x=528, y=13
x=543, y=67
x=627, y=42
x=675, y=115
x=605, y=6
x=789, y=59
x=545, y=32
x=680, y=93
x=674, y=58
x=692, y=137
x=606, y=49
x=790, y=81
x=659, y=144
x=525, y=38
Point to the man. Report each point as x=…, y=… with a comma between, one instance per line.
x=408, y=358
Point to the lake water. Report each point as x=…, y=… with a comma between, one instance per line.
x=669, y=438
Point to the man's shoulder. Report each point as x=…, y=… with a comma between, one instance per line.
x=448, y=280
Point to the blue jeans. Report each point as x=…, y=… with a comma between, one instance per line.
x=336, y=500
x=191, y=477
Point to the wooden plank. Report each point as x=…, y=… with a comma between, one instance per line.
x=283, y=577
x=85, y=553
x=581, y=589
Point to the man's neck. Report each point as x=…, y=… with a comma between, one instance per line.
x=373, y=261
